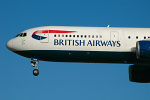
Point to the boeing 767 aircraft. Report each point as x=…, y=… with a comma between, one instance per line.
x=88, y=45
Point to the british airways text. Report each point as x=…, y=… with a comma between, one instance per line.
x=69, y=42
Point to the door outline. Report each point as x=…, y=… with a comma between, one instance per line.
x=114, y=36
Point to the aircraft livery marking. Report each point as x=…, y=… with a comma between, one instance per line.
x=37, y=37
x=69, y=42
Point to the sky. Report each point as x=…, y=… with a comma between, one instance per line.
x=68, y=81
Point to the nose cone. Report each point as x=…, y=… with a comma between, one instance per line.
x=9, y=45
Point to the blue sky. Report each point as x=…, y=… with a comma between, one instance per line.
x=68, y=81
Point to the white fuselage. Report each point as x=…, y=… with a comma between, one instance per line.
x=80, y=39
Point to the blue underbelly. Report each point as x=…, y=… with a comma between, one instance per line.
x=83, y=56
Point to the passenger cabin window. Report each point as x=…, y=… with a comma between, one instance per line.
x=100, y=36
x=129, y=37
x=82, y=36
x=78, y=36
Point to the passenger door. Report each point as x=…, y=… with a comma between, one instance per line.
x=114, y=36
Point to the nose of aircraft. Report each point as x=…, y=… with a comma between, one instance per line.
x=9, y=45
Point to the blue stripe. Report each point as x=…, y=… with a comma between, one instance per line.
x=37, y=37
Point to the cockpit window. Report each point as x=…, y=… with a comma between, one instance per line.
x=17, y=35
x=25, y=34
x=22, y=35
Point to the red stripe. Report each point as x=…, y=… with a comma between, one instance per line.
x=35, y=32
x=52, y=31
x=60, y=31
x=45, y=31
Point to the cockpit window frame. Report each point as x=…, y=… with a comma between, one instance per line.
x=21, y=35
x=17, y=35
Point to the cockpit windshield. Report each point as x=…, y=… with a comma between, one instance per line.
x=21, y=35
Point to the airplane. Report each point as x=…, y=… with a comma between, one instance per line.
x=87, y=45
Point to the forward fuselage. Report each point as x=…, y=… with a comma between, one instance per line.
x=80, y=44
